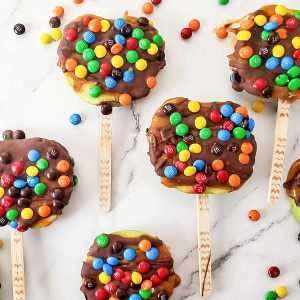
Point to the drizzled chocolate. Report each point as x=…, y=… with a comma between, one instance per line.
x=292, y=184
x=121, y=283
x=35, y=186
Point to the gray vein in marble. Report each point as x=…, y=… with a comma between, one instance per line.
x=132, y=147
x=136, y=117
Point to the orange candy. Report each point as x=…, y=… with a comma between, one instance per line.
x=148, y=8
x=146, y=285
x=44, y=211
x=151, y=82
x=276, y=18
x=116, y=48
x=222, y=33
x=247, y=24
x=217, y=165
x=71, y=64
x=243, y=111
x=58, y=11
x=145, y=245
x=234, y=180
x=254, y=215
x=194, y=24
x=282, y=33
x=125, y=99
x=95, y=25
x=78, y=1
x=64, y=181
x=63, y=166
x=244, y=159
x=246, y=52
x=247, y=148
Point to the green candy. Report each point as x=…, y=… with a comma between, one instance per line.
x=255, y=61
x=297, y=15
x=158, y=40
x=95, y=91
x=271, y=295
x=205, y=133
x=12, y=214
x=294, y=84
x=88, y=54
x=40, y=188
x=75, y=180
x=93, y=66
x=145, y=294
x=265, y=34
x=42, y=164
x=239, y=133
x=182, y=129
x=223, y=2
x=294, y=72
x=144, y=44
x=181, y=146
x=132, y=56
x=282, y=80
x=138, y=33
x=175, y=118
x=81, y=46
x=102, y=240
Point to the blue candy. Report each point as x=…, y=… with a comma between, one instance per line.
x=128, y=76
x=287, y=62
x=110, y=82
x=248, y=134
x=135, y=297
x=270, y=26
x=236, y=118
x=272, y=63
x=13, y=224
x=129, y=254
x=33, y=181
x=226, y=110
x=223, y=135
x=113, y=261
x=120, y=39
x=199, y=164
x=152, y=254
x=119, y=23
x=98, y=263
x=107, y=269
x=170, y=171
x=251, y=124
x=75, y=119
x=33, y=155
x=19, y=183
x=89, y=37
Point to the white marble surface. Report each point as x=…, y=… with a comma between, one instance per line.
x=36, y=98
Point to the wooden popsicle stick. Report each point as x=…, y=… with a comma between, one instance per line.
x=17, y=265
x=281, y=129
x=204, y=248
x=105, y=163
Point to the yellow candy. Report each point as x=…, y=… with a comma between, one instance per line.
x=141, y=65
x=153, y=49
x=2, y=192
x=260, y=20
x=190, y=171
x=104, y=278
x=200, y=122
x=244, y=35
x=194, y=106
x=184, y=155
x=195, y=148
x=45, y=38
x=136, y=277
x=1, y=243
x=281, y=10
x=32, y=171
x=27, y=213
x=296, y=42
x=89, y=259
x=278, y=51
x=80, y=71
x=105, y=25
x=151, y=22
x=100, y=51
x=117, y=61
x=281, y=291
x=56, y=34
x=258, y=106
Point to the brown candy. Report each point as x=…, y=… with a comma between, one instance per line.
x=216, y=149
x=5, y=158
x=19, y=135
x=168, y=109
x=106, y=109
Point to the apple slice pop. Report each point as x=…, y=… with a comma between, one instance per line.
x=202, y=148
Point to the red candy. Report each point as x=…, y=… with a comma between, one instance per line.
x=22, y=228
x=7, y=181
x=118, y=274
x=156, y=280
x=296, y=54
x=2, y=211
x=170, y=150
x=17, y=167
x=215, y=116
x=222, y=176
x=199, y=188
x=7, y=201
x=127, y=278
x=110, y=287
x=292, y=23
x=86, y=20
x=71, y=35
x=201, y=178
x=163, y=272
x=274, y=272
x=101, y=294
x=260, y=84
x=156, y=2
x=228, y=125
x=143, y=267
x=105, y=69
x=132, y=43
x=180, y=166
x=186, y=33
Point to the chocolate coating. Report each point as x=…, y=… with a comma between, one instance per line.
x=292, y=184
